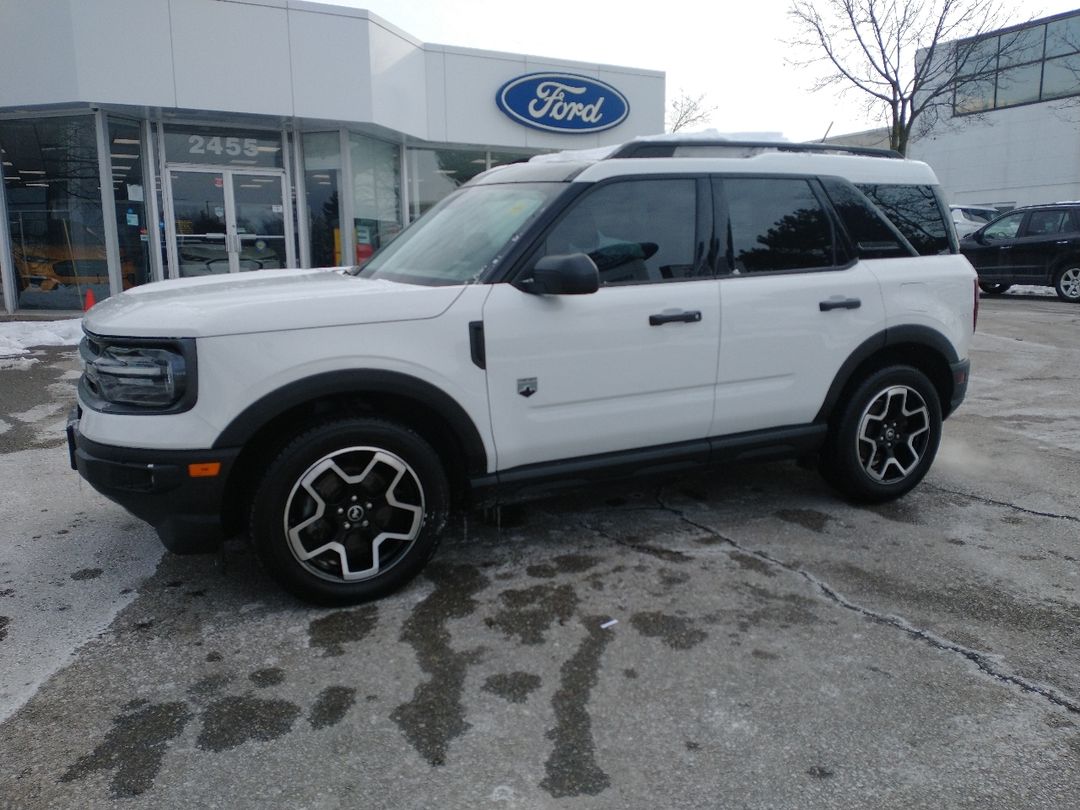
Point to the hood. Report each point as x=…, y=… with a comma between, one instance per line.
x=262, y=301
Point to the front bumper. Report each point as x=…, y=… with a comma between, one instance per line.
x=159, y=486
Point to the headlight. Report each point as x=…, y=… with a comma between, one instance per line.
x=135, y=376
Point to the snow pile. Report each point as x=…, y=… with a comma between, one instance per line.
x=16, y=337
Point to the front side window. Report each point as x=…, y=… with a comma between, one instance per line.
x=457, y=240
x=635, y=231
x=1005, y=228
x=776, y=224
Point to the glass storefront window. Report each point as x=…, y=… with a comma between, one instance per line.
x=129, y=194
x=434, y=173
x=376, y=189
x=322, y=184
x=51, y=178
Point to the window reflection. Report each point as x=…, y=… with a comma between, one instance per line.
x=776, y=225
x=915, y=212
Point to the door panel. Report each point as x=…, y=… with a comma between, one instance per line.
x=603, y=378
x=201, y=222
x=789, y=316
x=780, y=351
x=632, y=365
x=993, y=256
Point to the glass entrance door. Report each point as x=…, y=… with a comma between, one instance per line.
x=260, y=221
x=227, y=221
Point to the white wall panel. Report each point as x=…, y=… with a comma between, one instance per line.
x=398, y=81
x=231, y=56
x=1020, y=156
x=37, y=53
x=470, y=85
x=331, y=59
x=124, y=53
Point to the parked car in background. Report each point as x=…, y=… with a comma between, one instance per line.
x=1038, y=245
x=969, y=218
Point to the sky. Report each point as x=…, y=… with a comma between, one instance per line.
x=734, y=54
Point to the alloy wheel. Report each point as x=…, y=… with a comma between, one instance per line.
x=893, y=434
x=354, y=513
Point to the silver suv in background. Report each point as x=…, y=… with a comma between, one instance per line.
x=969, y=218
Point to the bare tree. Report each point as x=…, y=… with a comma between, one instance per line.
x=687, y=111
x=912, y=59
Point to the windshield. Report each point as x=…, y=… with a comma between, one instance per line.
x=458, y=239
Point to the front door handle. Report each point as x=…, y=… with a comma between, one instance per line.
x=839, y=302
x=683, y=316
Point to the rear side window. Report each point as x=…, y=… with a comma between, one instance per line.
x=871, y=235
x=776, y=224
x=916, y=213
x=1044, y=223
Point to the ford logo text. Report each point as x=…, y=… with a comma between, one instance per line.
x=562, y=102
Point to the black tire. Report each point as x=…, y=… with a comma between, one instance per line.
x=993, y=288
x=1067, y=283
x=349, y=510
x=883, y=441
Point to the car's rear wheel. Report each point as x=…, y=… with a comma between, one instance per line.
x=349, y=510
x=993, y=288
x=1067, y=283
x=884, y=440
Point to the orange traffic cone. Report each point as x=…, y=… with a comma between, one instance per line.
x=90, y=300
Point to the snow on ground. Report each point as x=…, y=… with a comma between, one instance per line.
x=17, y=337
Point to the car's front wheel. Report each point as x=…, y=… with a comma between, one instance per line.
x=993, y=288
x=1067, y=283
x=349, y=510
x=884, y=440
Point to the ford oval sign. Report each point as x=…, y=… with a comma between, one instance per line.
x=562, y=102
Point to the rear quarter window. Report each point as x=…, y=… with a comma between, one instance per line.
x=916, y=213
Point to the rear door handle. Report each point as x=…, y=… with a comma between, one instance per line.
x=839, y=302
x=683, y=316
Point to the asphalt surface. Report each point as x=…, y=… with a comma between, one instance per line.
x=773, y=646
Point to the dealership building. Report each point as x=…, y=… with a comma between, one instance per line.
x=1013, y=138
x=152, y=139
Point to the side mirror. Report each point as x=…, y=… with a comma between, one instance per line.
x=571, y=274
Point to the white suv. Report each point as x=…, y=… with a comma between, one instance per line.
x=549, y=324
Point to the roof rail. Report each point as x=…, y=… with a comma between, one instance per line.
x=672, y=147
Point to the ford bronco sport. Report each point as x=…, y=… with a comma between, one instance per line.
x=548, y=324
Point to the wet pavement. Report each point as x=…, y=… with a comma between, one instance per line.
x=743, y=639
